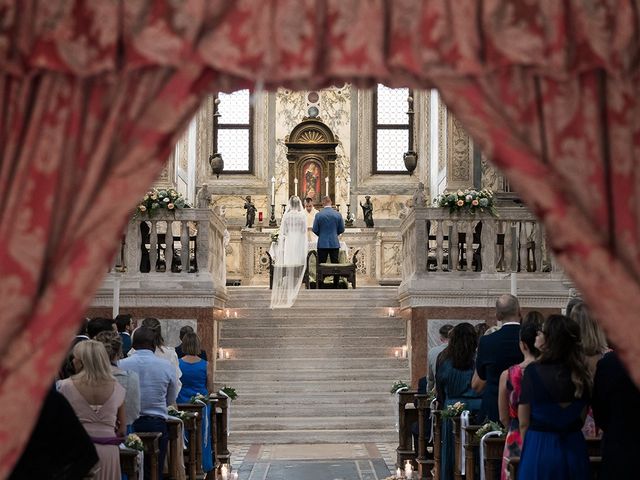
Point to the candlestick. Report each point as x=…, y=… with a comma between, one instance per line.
x=295, y=186
x=348, y=191
x=221, y=353
x=224, y=472
x=337, y=192
x=273, y=190
x=408, y=469
x=326, y=185
x=397, y=353
x=226, y=355
x=349, y=221
x=404, y=351
x=272, y=218
x=398, y=473
x=227, y=314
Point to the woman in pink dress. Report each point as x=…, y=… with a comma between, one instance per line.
x=98, y=401
x=509, y=388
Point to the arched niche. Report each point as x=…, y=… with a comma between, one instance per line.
x=311, y=152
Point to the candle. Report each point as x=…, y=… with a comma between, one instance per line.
x=514, y=284
x=391, y=312
x=221, y=353
x=116, y=296
x=337, y=192
x=404, y=351
x=227, y=314
x=408, y=469
x=235, y=314
x=234, y=475
x=398, y=473
x=226, y=354
x=295, y=186
x=273, y=190
x=224, y=472
x=348, y=190
x=397, y=352
x=326, y=184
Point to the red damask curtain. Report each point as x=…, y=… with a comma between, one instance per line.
x=93, y=94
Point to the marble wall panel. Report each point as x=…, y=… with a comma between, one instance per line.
x=171, y=329
x=384, y=206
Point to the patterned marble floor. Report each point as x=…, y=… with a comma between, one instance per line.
x=358, y=461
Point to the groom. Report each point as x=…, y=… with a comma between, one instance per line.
x=327, y=225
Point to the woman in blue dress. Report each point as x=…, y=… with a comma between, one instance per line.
x=454, y=370
x=194, y=381
x=553, y=405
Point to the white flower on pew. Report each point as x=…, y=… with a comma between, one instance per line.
x=134, y=442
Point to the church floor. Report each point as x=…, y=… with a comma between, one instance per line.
x=356, y=461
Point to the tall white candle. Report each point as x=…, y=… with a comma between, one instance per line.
x=514, y=284
x=348, y=190
x=337, y=192
x=224, y=472
x=404, y=351
x=116, y=296
x=326, y=186
x=221, y=353
x=408, y=469
x=273, y=190
x=398, y=473
x=295, y=186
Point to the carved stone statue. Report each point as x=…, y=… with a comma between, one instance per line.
x=203, y=197
x=251, y=211
x=419, y=199
x=367, y=211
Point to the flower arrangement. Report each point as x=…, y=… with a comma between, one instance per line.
x=199, y=398
x=398, y=385
x=453, y=410
x=469, y=200
x=229, y=392
x=134, y=442
x=155, y=200
x=490, y=427
x=174, y=412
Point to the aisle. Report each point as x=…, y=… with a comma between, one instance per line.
x=354, y=461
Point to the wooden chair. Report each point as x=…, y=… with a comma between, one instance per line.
x=151, y=442
x=407, y=415
x=347, y=270
x=199, y=410
x=129, y=462
x=425, y=464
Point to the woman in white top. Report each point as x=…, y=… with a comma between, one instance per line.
x=290, y=255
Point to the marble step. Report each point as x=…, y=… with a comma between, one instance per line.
x=309, y=408
x=292, y=333
x=373, y=435
x=279, y=343
x=305, y=320
x=319, y=399
x=297, y=375
x=312, y=423
x=310, y=387
x=329, y=361
x=308, y=351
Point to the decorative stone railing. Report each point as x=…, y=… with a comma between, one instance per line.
x=512, y=242
x=196, y=245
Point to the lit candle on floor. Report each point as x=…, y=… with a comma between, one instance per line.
x=234, y=475
x=408, y=469
x=404, y=351
x=391, y=312
x=226, y=355
x=227, y=313
x=398, y=473
x=224, y=472
x=220, y=353
x=235, y=314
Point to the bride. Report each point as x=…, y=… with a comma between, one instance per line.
x=290, y=255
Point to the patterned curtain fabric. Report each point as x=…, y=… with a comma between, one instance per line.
x=94, y=93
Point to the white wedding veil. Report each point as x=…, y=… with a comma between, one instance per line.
x=290, y=255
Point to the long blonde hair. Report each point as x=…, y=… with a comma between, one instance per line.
x=593, y=340
x=96, y=368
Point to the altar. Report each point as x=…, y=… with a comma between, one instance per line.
x=379, y=260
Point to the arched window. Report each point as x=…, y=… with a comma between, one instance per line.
x=391, y=129
x=233, y=131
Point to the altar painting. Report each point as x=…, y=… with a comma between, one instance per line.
x=311, y=180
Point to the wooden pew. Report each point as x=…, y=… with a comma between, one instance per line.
x=199, y=410
x=220, y=446
x=471, y=446
x=174, y=427
x=457, y=450
x=189, y=420
x=425, y=464
x=494, y=448
x=129, y=462
x=407, y=415
x=437, y=445
x=151, y=441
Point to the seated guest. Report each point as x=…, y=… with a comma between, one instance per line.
x=59, y=446
x=497, y=352
x=616, y=403
x=123, y=324
x=432, y=356
x=194, y=381
x=158, y=389
x=128, y=379
x=97, y=325
x=454, y=371
x=98, y=400
x=160, y=349
x=183, y=331
x=509, y=389
x=553, y=402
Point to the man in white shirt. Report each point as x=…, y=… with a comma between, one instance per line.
x=311, y=215
x=158, y=389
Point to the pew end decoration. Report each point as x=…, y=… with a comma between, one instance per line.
x=229, y=392
x=134, y=442
x=490, y=427
x=468, y=201
x=454, y=410
x=397, y=386
x=174, y=412
x=155, y=200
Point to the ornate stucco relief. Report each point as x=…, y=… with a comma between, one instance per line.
x=459, y=155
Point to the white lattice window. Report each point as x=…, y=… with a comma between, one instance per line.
x=233, y=131
x=391, y=129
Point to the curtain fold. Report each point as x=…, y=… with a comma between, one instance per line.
x=94, y=93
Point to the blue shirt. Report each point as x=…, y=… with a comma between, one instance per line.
x=158, y=382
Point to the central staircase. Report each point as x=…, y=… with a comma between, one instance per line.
x=319, y=372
